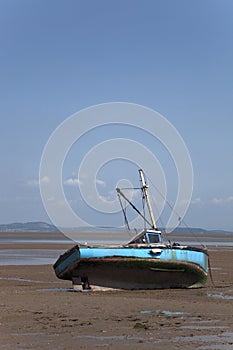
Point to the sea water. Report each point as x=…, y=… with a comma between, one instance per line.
x=29, y=256
x=16, y=256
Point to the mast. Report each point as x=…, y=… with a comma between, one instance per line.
x=144, y=189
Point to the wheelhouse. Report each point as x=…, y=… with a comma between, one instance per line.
x=147, y=237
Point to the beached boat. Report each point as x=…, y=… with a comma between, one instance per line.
x=145, y=262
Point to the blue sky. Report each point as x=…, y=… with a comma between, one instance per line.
x=58, y=57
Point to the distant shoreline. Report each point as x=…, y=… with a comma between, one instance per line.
x=44, y=240
x=39, y=227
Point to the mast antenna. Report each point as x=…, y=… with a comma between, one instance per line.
x=145, y=193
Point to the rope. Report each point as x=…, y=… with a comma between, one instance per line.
x=210, y=272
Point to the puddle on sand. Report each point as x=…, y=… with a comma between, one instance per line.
x=225, y=338
x=20, y=279
x=29, y=256
x=207, y=321
x=91, y=337
x=205, y=327
x=93, y=289
x=59, y=290
x=220, y=295
x=164, y=312
x=216, y=347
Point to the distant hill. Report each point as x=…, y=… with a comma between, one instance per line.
x=199, y=231
x=178, y=230
x=38, y=226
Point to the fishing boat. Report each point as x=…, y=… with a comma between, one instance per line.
x=145, y=262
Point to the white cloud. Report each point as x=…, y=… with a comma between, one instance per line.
x=51, y=199
x=105, y=198
x=36, y=182
x=196, y=200
x=100, y=182
x=32, y=183
x=218, y=201
x=213, y=201
x=76, y=182
x=45, y=180
x=72, y=182
x=229, y=199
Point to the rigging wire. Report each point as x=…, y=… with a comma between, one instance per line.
x=160, y=220
x=144, y=210
x=130, y=188
x=132, y=205
x=124, y=212
x=179, y=218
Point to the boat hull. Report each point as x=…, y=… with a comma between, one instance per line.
x=135, y=268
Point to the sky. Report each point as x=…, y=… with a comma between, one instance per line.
x=60, y=57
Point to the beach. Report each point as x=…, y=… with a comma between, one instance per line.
x=39, y=311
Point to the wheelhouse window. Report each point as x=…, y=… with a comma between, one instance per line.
x=153, y=238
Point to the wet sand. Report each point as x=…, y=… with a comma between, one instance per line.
x=39, y=311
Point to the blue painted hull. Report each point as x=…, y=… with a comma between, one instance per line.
x=130, y=267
